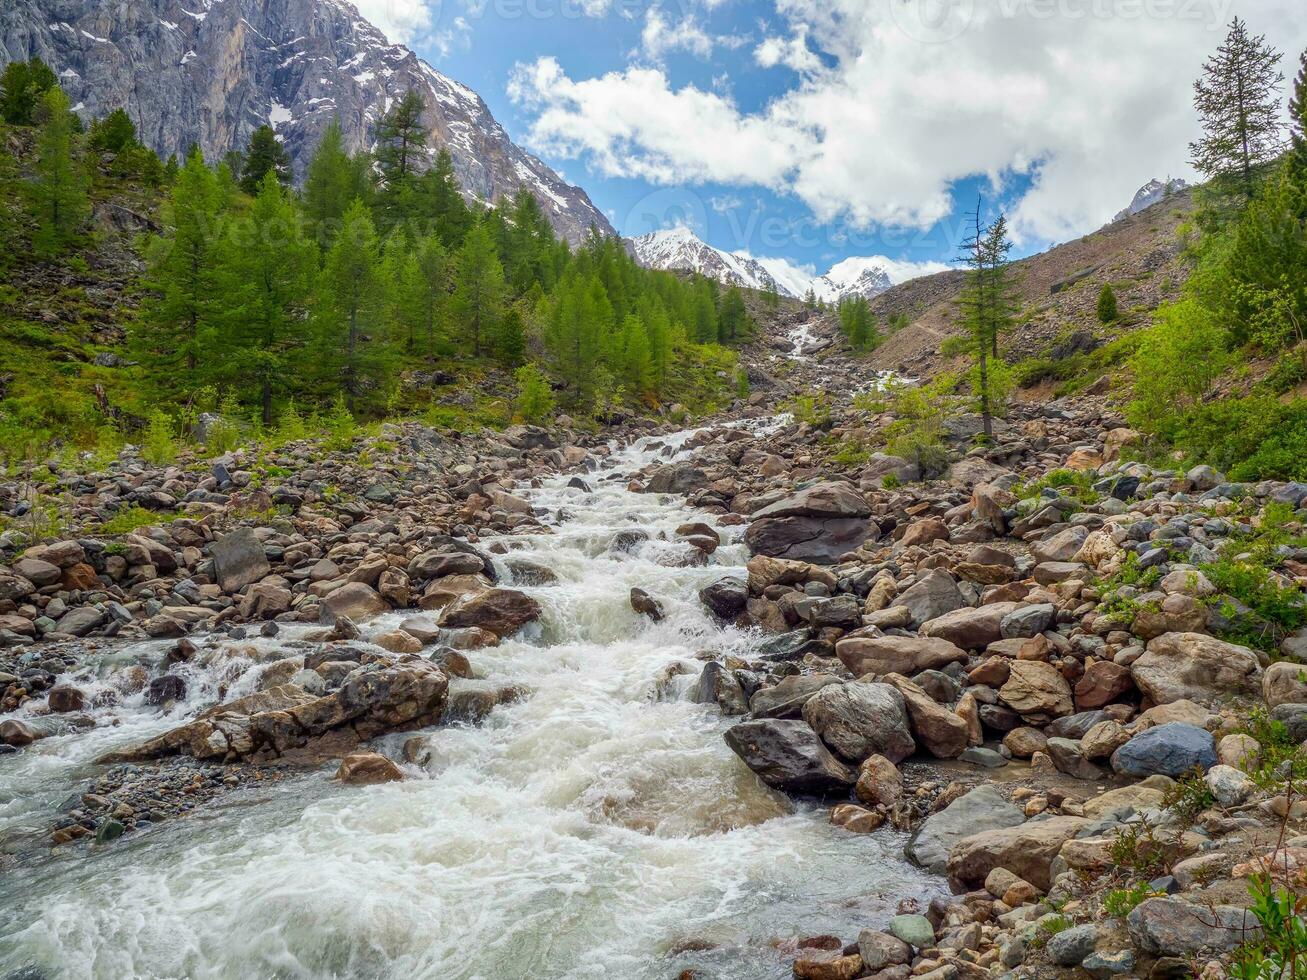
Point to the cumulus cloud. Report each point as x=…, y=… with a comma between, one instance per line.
x=893, y=105
x=661, y=36
x=403, y=21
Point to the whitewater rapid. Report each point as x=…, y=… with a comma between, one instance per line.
x=598, y=827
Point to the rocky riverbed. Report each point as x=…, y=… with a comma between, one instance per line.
x=719, y=703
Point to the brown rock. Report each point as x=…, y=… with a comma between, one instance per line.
x=1027, y=851
x=924, y=532
x=1037, y=691
x=501, y=611
x=1103, y=682
x=970, y=629
x=896, y=654
x=1195, y=667
x=944, y=734
x=879, y=782
x=368, y=769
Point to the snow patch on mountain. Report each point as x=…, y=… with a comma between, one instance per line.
x=1153, y=192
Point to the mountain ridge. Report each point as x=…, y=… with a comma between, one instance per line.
x=210, y=72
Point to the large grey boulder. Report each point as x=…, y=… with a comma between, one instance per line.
x=500, y=611
x=931, y=596
x=860, y=720
x=818, y=524
x=787, y=698
x=984, y=808
x=789, y=756
x=1174, y=927
x=1195, y=667
x=1173, y=749
x=238, y=560
x=896, y=654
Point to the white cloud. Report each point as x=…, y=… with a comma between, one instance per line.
x=403, y=21
x=1089, y=98
x=660, y=35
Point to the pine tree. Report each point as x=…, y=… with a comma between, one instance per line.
x=60, y=192
x=1237, y=99
x=114, y=133
x=177, y=326
x=510, y=338
x=637, y=362
x=352, y=312
x=334, y=180
x=266, y=155
x=1107, y=308
x=535, y=399
x=479, y=297
x=267, y=275
x=22, y=87
x=987, y=302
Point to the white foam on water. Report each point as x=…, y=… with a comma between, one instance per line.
x=599, y=827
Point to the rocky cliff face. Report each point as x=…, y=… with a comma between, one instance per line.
x=210, y=72
x=679, y=248
x=1153, y=192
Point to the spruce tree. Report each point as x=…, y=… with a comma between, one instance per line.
x=479, y=297
x=267, y=276
x=114, y=133
x=60, y=192
x=442, y=200
x=1298, y=117
x=178, y=325
x=510, y=338
x=266, y=155
x=1107, y=308
x=401, y=146
x=733, y=318
x=22, y=87
x=1238, y=101
x=352, y=311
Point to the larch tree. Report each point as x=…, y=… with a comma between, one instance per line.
x=22, y=87
x=1238, y=102
x=178, y=324
x=60, y=196
x=333, y=181
x=269, y=269
x=353, y=321
x=479, y=297
x=401, y=145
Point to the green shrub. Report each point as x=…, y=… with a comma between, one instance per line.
x=535, y=399
x=1250, y=439
x=1281, y=950
x=1068, y=483
x=1107, y=309
x=1120, y=902
x=158, y=444
x=340, y=425
x=133, y=518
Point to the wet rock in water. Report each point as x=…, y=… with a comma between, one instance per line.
x=984, y=808
x=718, y=685
x=368, y=769
x=239, y=560
x=787, y=698
x=500, y=611
x=727, y=598
x=165, y=688
x=789, y=756
x=858, y=720
x=1172, y=749
x=879, y=782
x=646, y=605
x=356, y=601
x=826, y=964
x=438, y=564
x=18, y=733
x=64, y=700
x=856, y=819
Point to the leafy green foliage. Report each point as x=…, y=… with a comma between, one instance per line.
x=266, y=155
x=1107, y=308
x=22, y=87
x=917, y=434
x=158, y=442
x=859, y=324
x=127, y=520
x=535, y=400
x=1120, y=902
x=60, y=195
x=1281, y=950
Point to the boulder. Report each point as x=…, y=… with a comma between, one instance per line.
x=354, y=601
x=721, y=687
x=500, y=611
x=238, y=560
x=1102, y=683
x=879, y=782
x=924, y=532
x=789, y=756
x=1060, y=547
x=727, y=598
x=787, y=698
x=818, y=524
x=944, y=734
x=1175, y=927
x=971, y=629
x=40, y=573
x=765, y=571
x=367, y=769
x=1037, y=691
x=896, y=654
x=984, y=808
x=931, y=596
x=1027, y=851
x=1171, y=750
x=859, y=720
x=679, y=478
x=80, y=621
x=1195, y=667
x=646, y=605
x=1284, y=683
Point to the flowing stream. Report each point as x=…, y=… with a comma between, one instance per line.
x=599, y=827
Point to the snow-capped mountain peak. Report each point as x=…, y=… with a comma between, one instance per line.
x=681, y=248
x=1153, y=192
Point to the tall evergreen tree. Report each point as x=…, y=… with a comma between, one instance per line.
x=352, y=310
x=266, y=155
x=22, y=87
x=333, y=181
x=479, y=297
x=401, y=144
x=1238, y=101
x=267, y=278
x=178, y=325
x=442, y=200
x=60, y=192
x=1298, y=115
x=114, y=133
x=733, y=318
x=987, y=301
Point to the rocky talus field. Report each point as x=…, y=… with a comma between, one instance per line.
x=791, y=711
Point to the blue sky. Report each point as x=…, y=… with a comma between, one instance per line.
x=819, y=130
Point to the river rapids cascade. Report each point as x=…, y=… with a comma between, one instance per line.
x=597, y=827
